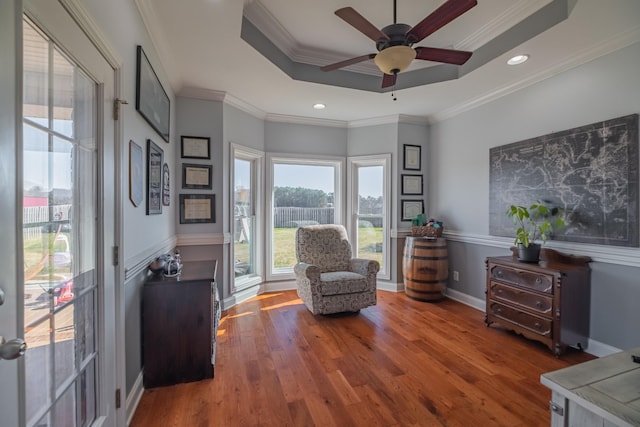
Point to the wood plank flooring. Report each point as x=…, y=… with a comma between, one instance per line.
x=400, y=363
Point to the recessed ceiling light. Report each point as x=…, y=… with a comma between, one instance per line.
x=518, y=59
x=319, y=106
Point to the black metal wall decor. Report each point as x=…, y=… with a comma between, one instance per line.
x=591, y=172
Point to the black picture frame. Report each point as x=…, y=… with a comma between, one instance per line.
x=152, y=101
x=197, y=208
x=412, y=185
x=136, y=174
x=411, y=209
x=196, y=177
x=412, y=157
x=166, y=186
x=155, y=161
x=195, y=147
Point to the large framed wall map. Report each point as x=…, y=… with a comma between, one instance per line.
x=591, y=172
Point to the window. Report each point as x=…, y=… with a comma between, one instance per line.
x=302, y=192
x=369, y=202
x=246, y=201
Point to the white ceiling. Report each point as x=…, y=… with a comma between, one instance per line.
x=199, y=45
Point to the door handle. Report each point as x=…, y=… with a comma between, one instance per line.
x=12, y=349
x=1, y=296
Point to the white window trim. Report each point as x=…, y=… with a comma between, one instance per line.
x=253, y=155
x=353, y=163
x=338, y=163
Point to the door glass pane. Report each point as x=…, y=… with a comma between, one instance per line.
x=370, y=213
x=59, y=235
x=302, y=195
x=243, y=218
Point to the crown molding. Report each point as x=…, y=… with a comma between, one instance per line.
x=392, y=119
x=158, y=41
x=283, y=118
x=619, y=41
x=273, y=30
x=514, y=14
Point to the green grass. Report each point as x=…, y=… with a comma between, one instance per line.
x=284, y=253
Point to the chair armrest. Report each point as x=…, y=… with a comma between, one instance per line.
x=365, y=267
x=310, y=271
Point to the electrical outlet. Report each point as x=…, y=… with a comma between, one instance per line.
x=456, y=275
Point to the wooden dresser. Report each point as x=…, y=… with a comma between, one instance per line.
x=180, y=318
x=547, y=301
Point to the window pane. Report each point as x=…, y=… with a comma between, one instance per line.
x=302, y=195
x=243, y=224
x=35, y=75
x=370, y=213
x=63, y=91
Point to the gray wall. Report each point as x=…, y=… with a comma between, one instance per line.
x=459, y=178
x=292, y=138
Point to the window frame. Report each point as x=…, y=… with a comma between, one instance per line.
x=353, y=164
x=256, y=158
x=338, y=163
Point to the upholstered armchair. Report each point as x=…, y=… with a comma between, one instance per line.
x=328, y=279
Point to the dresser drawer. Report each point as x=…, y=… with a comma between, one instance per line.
x=528, y=321
x=541, y=304
x=528, y=279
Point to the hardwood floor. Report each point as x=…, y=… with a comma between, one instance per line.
x=400, y=363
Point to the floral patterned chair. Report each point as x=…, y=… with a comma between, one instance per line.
x=328, y=279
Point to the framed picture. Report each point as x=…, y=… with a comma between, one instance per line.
x=155, y=157
x=152, y=101
x=411, y=157
x=195, y=147
x=411, y=185
x=411, y=209
x=166, y=186
x=197, y=208
x=196, y=176
x=136, y=176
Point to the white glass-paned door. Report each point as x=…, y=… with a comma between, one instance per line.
x=60, y=160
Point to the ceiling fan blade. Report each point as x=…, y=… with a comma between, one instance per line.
x=388, y=80
x=440, y=17
x=361, y=24
x=347, y=62
x=448, y=56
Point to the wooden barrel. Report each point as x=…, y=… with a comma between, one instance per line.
x=425, y=267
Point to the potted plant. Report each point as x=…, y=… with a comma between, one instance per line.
x=535, y=223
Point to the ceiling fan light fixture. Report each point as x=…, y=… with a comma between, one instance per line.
x=394, y=59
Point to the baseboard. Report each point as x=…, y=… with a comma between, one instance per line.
x=285, y=285
x=477, y=303
x=600, y=349
x=390, y=286
x=133, y=398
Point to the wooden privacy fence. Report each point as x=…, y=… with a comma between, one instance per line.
x=290, y=217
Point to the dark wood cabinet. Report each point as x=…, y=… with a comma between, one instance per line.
x=547, y=301
x=180, y=316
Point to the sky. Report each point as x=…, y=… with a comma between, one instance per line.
x=321, y=178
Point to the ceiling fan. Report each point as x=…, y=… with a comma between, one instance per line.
x=394, y=42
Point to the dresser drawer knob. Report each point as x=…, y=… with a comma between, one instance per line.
x=537, y=325
x=539, y=304
x=538, y=280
